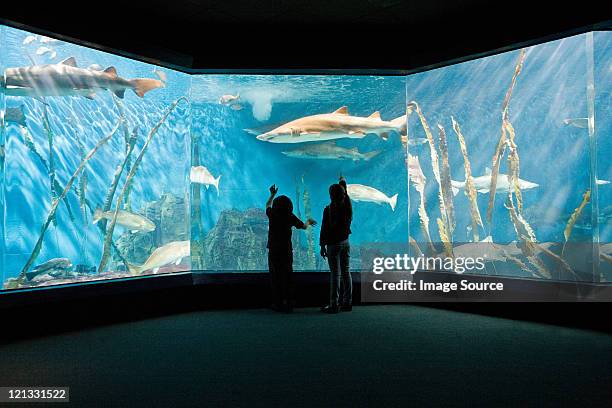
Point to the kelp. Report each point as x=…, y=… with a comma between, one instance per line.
x=51, y=160
x=527, y=240
x=110, y=194
x=82, y=185
x=415, y=174
x=567, y=232
x=311, y=258
x=501, y=145
x=197, y=249
x=435, y=166
x=444, y=237
x=29, y=143
x=55, y=202
x=470, y=189
x=416, y=247
x=445, y=183
x=513, y=166
x=111, y=227
x=128, y=147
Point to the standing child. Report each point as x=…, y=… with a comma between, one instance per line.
x=280, y=251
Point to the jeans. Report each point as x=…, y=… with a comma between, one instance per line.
x=341, y=284
x=280, y=264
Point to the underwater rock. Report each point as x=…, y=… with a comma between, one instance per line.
x=237, y=242
x=169, y=216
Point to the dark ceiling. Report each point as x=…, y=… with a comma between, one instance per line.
x=272, y=35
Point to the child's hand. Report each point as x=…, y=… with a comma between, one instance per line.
x=310, y=221
x=273, y=189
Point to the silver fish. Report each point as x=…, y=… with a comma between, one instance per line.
x=201, y=175
x=336, y=125
x=359, y=192
x=227, y=99
x=131, y=221
x=582, y=123
x=171, y=253
x=329, y=151
x=66, y=79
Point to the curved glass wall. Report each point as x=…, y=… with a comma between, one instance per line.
x=116, y=168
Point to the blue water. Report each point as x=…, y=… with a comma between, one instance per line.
x=229, y=223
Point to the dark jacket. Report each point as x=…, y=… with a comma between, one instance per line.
x=336, y=224
x=279, y=231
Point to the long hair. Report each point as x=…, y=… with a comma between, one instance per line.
x=340, y=208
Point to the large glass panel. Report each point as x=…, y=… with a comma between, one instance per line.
x=229, y=228
x=527, y=111
x=602, y=48
x=88, y=133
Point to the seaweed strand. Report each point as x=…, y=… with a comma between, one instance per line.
x=470, y=189
x=56, y=201
x=501, y=145
x=109, y=232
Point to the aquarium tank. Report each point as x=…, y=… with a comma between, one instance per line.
x=115, y=168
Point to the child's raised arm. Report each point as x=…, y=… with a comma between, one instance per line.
x=273, y=191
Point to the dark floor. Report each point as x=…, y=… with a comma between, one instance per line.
x=377, y=356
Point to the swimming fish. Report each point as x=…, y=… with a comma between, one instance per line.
x=66, y=79
x=236, y=106
x=131, y=221
x=15, y=115
x=601, y=182
x=160, y=74
x=201, y=175
x=227, y=99
x=359, y=192
x=52, y=265
x=491, y=251
x=329, y=151
x=46, y=50
x=336, y=125
x=171, y=253
x=49, y=40
x=256, y=131
x=483, y=183
x=582, y=123
x=29, y=39
x=414, y=142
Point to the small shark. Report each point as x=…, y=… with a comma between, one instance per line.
x=66, y=79
x=329, y=151
x=483, y=184
x=171, y=253
x=131, y=221
x=336, y=125
x=359, y=192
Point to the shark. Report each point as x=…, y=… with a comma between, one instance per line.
x=330, y=151
x=66, y=79
x=336, y=125
x=483, y=184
